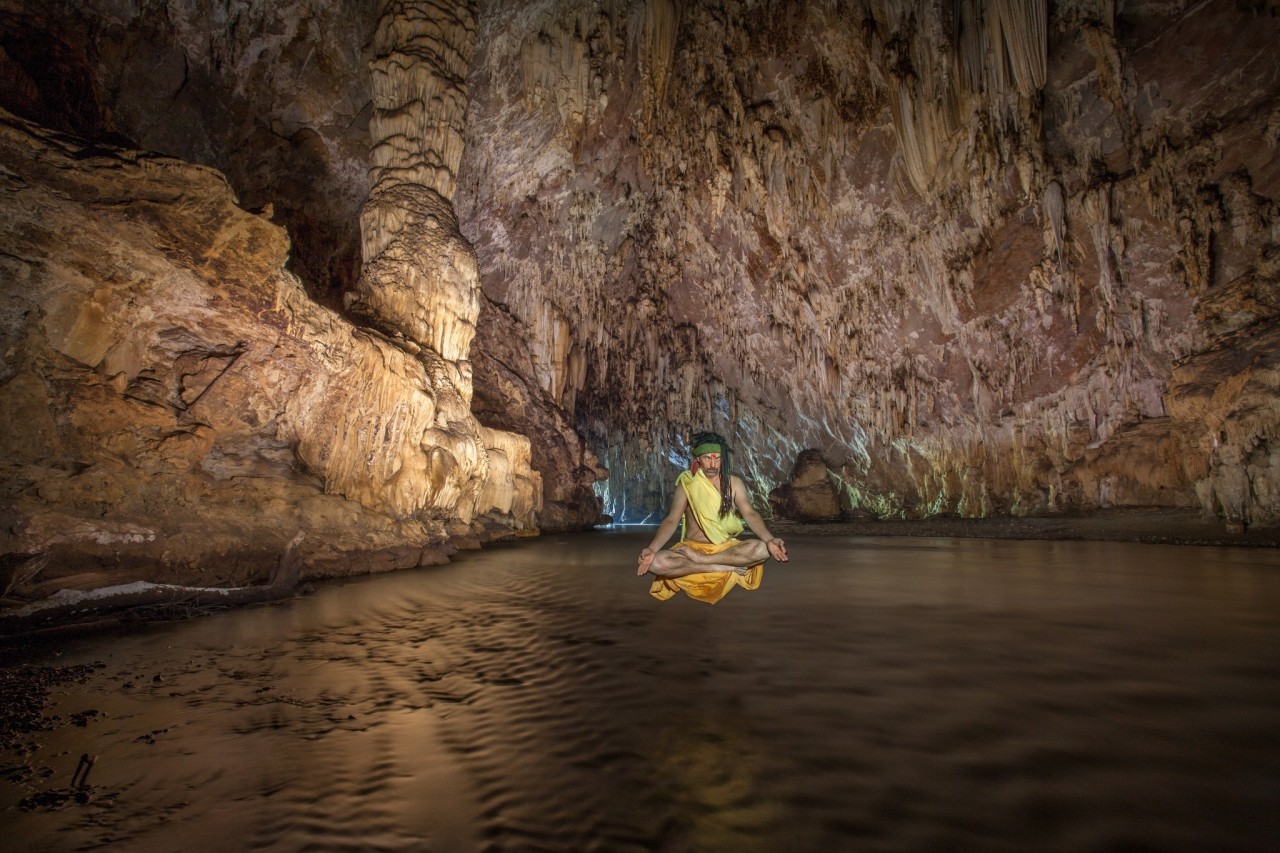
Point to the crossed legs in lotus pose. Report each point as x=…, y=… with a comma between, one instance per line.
x=681, y=561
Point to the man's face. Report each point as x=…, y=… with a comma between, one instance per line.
x=710, y=464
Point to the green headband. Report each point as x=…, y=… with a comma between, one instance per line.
x=709, y=447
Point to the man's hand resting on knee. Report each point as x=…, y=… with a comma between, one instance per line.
x=645, y=561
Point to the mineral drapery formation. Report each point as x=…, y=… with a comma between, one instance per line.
x=420, y=277
x=421, y=280
x=985, y=257
x=980, y=257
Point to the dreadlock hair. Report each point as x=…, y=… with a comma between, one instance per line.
x=726, y=491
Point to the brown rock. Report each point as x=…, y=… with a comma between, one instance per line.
x=176, y=403
x=809, y=494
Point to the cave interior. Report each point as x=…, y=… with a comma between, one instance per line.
x=411, y=276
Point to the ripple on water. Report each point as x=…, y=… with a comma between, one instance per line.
x=879, y=695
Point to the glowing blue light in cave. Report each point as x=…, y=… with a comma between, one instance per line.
x=601, y=488
x=616, y=508
x=614, y=498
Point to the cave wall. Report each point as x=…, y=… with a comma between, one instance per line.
x=277, y=96
x=980, y=257
x=174, y=406
x=984, y=257
x=326, y=117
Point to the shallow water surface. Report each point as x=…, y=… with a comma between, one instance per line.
x=874, y=694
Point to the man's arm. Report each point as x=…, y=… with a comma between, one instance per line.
x=665, y=529
x=777, y=548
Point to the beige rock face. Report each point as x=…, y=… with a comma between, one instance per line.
x=274, y=95
x=420, y=276
x=507, y=398
x=176, y=406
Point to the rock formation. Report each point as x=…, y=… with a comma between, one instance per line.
x=174, y=406
x=983, y=257
x=809, y=494
x=419, y=279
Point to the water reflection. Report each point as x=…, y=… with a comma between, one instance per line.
x=872, y=695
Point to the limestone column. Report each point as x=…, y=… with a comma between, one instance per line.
x=420, y=279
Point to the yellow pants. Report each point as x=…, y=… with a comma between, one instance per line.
x=707, y=586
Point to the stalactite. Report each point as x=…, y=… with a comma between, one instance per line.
x=1024, y=34
x=1097, y=206
x=939, y=76
x=419, y=78
x=982, y=285
x=661, y=22
x=1055, y=217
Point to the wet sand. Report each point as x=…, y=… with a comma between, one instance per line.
x=875, y=694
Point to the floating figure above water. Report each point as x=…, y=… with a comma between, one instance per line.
x=711, y=506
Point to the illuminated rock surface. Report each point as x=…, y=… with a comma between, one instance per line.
x=175, y=404
x=420, y=277
x=984, y=258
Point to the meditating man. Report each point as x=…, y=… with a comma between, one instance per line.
x=711, y=505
